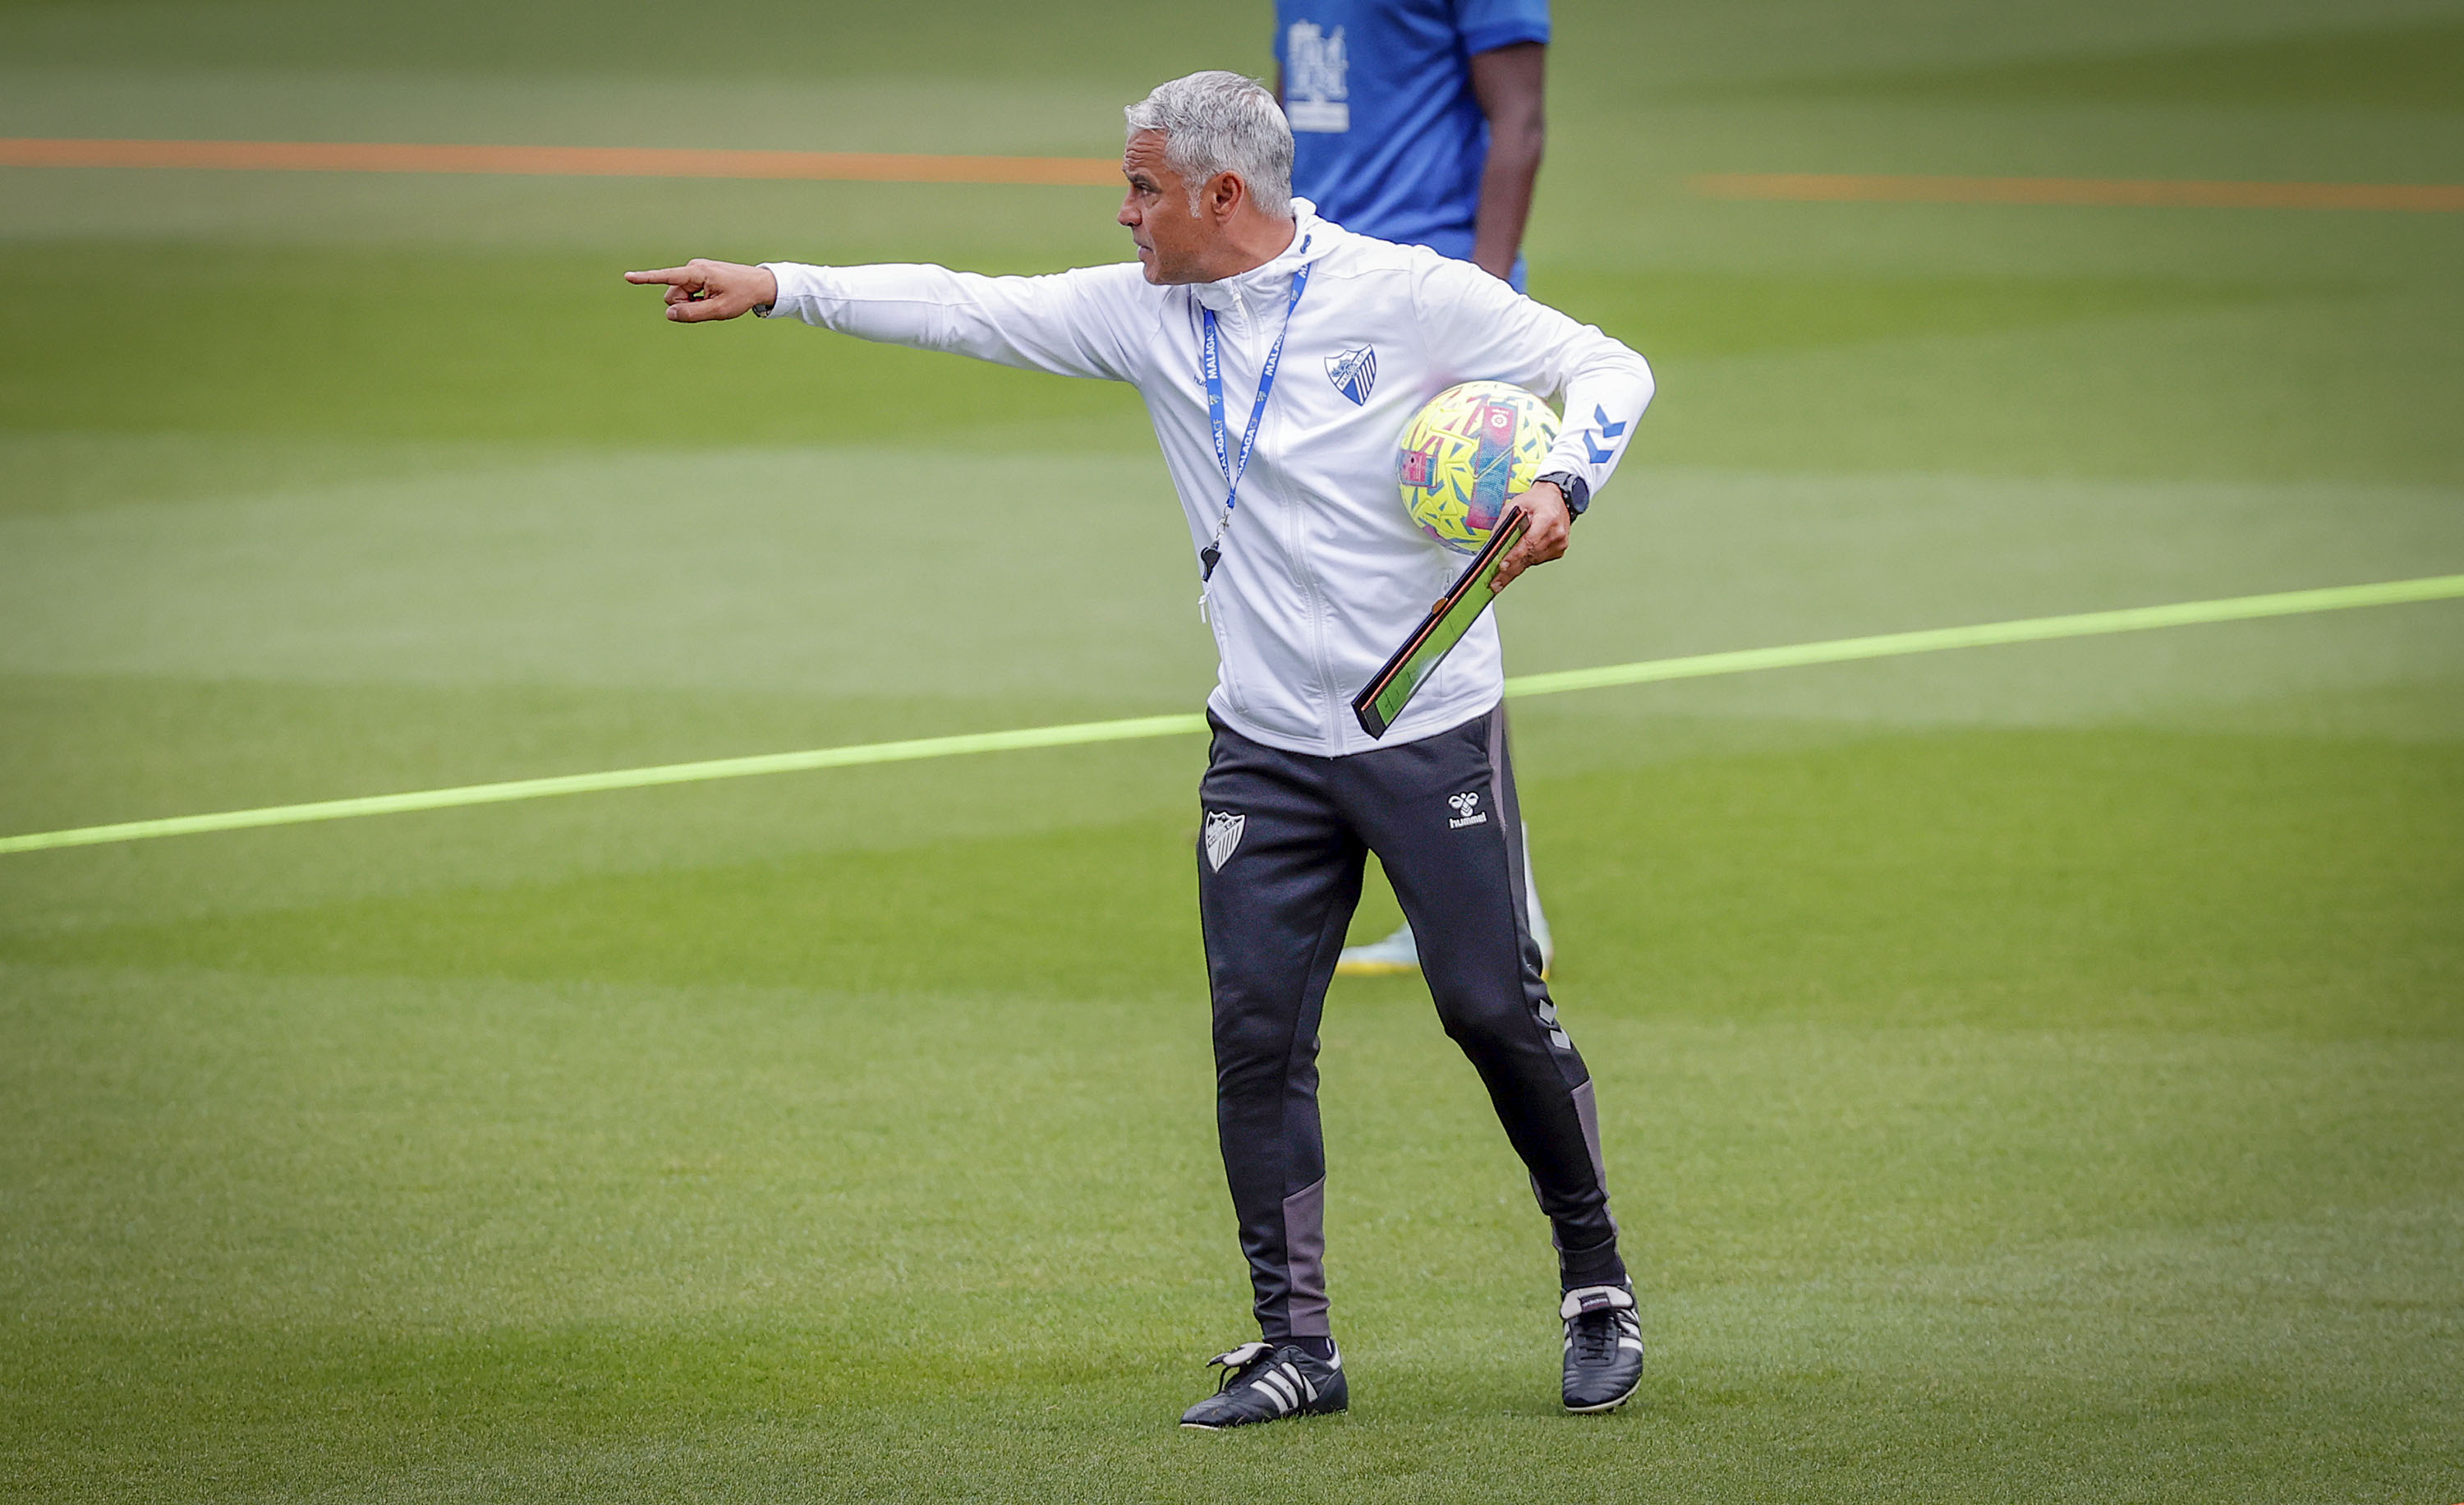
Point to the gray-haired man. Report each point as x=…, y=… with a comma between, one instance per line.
x=1311, y=574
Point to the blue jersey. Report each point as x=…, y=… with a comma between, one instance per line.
x=1389, y=140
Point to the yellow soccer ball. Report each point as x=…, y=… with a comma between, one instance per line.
x=1472, y=446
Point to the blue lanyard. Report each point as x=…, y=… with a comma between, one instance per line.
x=1236, y=467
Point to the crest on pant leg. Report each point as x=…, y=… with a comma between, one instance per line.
x=1223, y=834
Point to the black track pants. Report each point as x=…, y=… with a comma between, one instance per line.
x=1279, y=868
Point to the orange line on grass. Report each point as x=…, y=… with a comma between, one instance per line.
x=591, y=161
x=2189, y=193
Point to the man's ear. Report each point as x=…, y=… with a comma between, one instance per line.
x=1225, y=194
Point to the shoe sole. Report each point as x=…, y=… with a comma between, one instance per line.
x=1606, y=1407
x=1265, y=1421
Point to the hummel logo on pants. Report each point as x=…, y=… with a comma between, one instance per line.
x=1275, y=904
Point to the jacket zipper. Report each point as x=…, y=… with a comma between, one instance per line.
x=1296, y=544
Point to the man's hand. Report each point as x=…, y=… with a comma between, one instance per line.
x=1544, y=539
x=700, y=291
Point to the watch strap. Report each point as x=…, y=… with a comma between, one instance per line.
x=1577, y=490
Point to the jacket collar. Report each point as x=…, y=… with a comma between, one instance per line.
x=1250, y=291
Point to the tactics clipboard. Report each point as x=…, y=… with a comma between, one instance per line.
x=1380, y=702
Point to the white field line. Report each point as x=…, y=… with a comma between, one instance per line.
x=1887, y=645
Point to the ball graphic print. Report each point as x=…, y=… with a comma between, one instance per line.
x=1472, y=446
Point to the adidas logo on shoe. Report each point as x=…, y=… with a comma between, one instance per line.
x=1267, y=1383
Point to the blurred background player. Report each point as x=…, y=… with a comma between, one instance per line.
x=1419, y=122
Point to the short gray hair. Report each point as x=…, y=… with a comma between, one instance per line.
x=1216, y=121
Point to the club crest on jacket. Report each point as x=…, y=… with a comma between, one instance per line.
x=1354, y=372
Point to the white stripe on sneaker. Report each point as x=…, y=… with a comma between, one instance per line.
x=1272, y=1381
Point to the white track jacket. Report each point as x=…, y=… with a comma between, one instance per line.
x=1322, y=575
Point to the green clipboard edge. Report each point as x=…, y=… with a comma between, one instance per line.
x=1380, y=702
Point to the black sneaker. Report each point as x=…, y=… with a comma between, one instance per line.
x=1266, y=1383
x=1603, y=1348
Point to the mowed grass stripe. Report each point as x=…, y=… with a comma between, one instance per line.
x=592, y=162
x=1886, y=645
x=889, y=166
x=2420, y=198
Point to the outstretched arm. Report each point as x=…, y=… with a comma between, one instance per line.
x=1507, y=81
x=700, y=291
x=1070, y=323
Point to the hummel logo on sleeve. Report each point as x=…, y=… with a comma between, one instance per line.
x=1608, y=432
x=1223, y=834
x=1467, y=811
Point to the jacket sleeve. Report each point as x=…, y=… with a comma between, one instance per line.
x=1480, y=329
x=1070, y=323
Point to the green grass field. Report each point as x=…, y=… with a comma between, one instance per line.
x=2033, y=1073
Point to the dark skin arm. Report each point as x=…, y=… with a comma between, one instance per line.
x=1509, y=83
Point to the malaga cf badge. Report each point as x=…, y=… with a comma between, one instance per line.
x=1223, y=834
x=1354, y=372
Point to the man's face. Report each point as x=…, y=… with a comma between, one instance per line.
x=1172, y=238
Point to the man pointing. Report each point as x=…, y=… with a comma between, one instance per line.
x=1243, y=308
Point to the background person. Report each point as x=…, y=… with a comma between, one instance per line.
x=1312, y=572
x=1420, y=122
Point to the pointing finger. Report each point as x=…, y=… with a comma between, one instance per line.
x=677, y=276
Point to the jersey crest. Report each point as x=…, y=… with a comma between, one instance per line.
x=1354, y=372
x=1316, y=86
